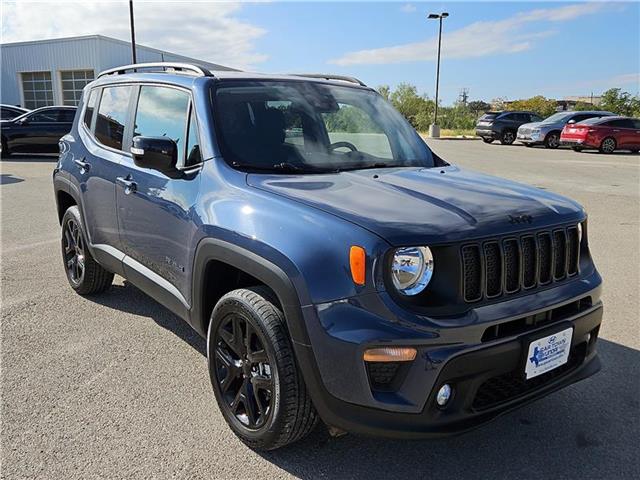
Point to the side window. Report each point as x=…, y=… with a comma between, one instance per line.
x=621, y=123
x=582, y=116
x=162, y=112
x=45, y=116
x=112, y=114
x=508, y=117
x=535, y=118
x=193, y=145
x=66, y=116
x=636, y=123
x=353, y=125
x=91, y=105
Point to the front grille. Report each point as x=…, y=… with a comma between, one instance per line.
x=508, y=265
x=512, y=385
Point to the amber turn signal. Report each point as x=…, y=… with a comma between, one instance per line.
x=390, y=354
x=357, y=257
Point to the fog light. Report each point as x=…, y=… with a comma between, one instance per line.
x=444, y=394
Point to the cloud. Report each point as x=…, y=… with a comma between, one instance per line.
x=626, y=79
x=408, y=8
x=210, y=31
x=478, y=39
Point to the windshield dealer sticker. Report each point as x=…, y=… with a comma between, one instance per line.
x=548, y=353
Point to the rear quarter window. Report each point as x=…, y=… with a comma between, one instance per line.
x=90, y=108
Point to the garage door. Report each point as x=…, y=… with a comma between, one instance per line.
x=72, y=84
x=37, y=89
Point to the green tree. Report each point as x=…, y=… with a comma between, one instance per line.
x=385, y=91
x=538, y=104
x=622, y=103
x=417, y=109
x=478, y=106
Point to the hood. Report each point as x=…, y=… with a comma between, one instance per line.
x=425, y=205
x=530, y=125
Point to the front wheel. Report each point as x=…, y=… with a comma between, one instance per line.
x=608, y=145
x=508, y=137
x=253, y=370
x=552, y=140
x=84, y=274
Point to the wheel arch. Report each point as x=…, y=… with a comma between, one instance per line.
x=213, y=254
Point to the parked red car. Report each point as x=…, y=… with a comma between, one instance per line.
x=606, y=134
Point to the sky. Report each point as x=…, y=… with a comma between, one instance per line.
x=498, y=49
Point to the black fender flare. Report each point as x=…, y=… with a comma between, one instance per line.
x=266, y=271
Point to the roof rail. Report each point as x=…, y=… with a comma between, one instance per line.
x=160, y=66
x=325, y=76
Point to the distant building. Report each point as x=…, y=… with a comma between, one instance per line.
x=54, y=72
x=566, y=104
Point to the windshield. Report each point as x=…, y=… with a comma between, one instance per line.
x=558, y=117
x=311, y=127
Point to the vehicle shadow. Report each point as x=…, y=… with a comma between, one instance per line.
x=588, y=430
x=130, y=299
x=8, y=179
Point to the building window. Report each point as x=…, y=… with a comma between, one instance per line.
x=72, y=84
x=37, y=89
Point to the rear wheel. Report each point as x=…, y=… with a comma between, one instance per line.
x=552, y=140
x=507, y=137
x=635, y=150
x=487, y=140
x=608, y=145
x=84, y=274
x=252, y=367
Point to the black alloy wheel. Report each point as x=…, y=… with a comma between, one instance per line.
x=73, y=249
x=508, y=137
x=244, y=371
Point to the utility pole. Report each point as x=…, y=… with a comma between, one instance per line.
x=133, y=33
x=434, y=130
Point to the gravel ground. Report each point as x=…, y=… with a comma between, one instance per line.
x=115, y=386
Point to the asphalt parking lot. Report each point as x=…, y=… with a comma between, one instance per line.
x=116, y=387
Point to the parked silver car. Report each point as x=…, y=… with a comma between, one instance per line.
x=547, y=132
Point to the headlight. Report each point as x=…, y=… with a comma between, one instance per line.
x=535, y=131
x=412, y=269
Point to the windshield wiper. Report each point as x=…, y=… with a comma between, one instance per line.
x=282, y=167
x=373, y=165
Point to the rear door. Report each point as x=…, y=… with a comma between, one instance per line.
x=103, y=128
x=623, y=132
x=156, y=213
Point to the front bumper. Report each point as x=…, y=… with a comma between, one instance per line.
x=529, y=139
x=487, y=132
x=338, y=382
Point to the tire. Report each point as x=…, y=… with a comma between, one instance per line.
x=608, y=145
x=487, y=140
x=528, y=145
x=84, y=274
x=635, y=151
x=259, y=388
x=576, y=149
x=552, y=140
x=507, y=137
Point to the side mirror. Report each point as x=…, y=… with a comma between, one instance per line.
x=570, y=122
x=23, y=121
x=157, y=153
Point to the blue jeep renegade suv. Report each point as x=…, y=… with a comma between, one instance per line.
x=338, y=268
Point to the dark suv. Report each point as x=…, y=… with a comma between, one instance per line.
x=503, y=126
x=338, y=268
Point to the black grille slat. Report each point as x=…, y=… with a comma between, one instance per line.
x=559, y=254
x=472, y=268
x=529, y=261
x=511, y=265
x=505, y=266
x=546, y=257
x=493, y=268
x=573, y=253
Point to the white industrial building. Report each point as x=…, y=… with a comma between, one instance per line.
x=54, y=72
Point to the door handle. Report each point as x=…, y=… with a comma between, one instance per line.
x=82, y=165
x=129, y=185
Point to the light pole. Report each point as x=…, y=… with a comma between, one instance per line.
x=434, y=130
x=133, y=33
